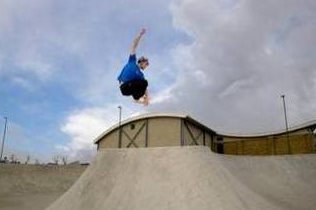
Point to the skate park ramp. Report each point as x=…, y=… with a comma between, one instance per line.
x=192, y=177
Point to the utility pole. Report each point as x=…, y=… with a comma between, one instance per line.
x=120, y=129
x=286, y=125
x=4, y=134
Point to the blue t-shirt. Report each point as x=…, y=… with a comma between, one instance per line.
x=131, y=71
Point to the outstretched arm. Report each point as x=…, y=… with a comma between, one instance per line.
x=136, y=41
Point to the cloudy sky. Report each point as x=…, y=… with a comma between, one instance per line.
x=223, y=62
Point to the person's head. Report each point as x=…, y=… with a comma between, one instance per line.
x=143, y=63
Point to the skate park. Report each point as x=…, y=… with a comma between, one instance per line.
x=171, y=161
x=216, y=105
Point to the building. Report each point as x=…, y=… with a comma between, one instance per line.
x=299, y=139
x=157, y=130
x=165, y=130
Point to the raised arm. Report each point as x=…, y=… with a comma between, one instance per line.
x=136, y=41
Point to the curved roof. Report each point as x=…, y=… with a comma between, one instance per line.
x=148, y=116
x=308, y=124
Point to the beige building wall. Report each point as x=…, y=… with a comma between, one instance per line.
x=208, y=140
x=164, y=132
x=134, y=134
x=252, y=146
x=177, y=131
x=158, y=132
x=256, y=147
x=192, y=135
x=280, y=145
x=297, y=143
x=301, y=144
x=110, y=141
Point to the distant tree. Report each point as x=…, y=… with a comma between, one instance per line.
x=12, y=158
x=37, y=162
x=55, y=159
x=64, y=159
x=28, y=158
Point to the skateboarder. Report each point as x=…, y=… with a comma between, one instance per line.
x=131, y=78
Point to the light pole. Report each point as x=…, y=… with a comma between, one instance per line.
x=120, y=129
x=286, y=124
x=3, y=138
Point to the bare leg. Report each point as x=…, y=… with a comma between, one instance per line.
x=143, y=100
x=146, y=98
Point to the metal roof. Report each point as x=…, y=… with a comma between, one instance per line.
x=190, y=119
x=308, y=124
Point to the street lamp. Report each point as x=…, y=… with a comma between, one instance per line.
x=4, y=134
x=120, y=129
x=286, y=124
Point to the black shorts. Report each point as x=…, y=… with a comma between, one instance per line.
x=135, y=88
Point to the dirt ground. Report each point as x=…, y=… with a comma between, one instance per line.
x=27, y=201
x=34, y=187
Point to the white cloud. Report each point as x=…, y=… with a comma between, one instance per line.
x=79, y=48
x=161, y=97
x=241, y=56
x=244, y=55
x=22, y=36
x=83, y=126
x=32, y=63
x=236, y=87
x=62, y=148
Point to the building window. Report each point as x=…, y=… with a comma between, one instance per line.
x=132, y=126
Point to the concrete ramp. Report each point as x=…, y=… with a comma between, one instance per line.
x=183, y=178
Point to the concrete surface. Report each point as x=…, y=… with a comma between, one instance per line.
x=34, y=187
x=192, y=178
x=27, y=201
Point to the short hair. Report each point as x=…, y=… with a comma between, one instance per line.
x=142, y=59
